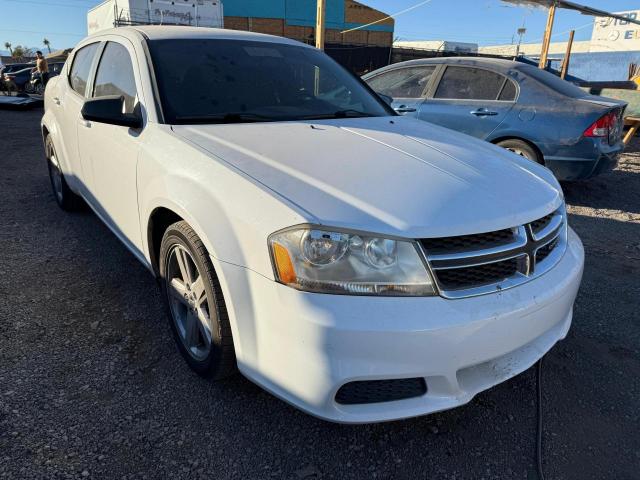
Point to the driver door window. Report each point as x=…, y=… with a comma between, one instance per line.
x=115, y=76
x=404, y=82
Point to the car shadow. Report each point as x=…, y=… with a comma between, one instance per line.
x=606, y=191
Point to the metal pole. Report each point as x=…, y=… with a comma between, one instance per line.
x=320, y=24
x=567, y=56
x=547, y=37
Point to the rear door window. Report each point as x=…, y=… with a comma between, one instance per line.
x=403, y=83
x=469, y=83
x=81, y=68
x=508, y=93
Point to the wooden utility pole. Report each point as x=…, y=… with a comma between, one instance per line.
x=547, y=37
x=320, y=21
x=567, y=56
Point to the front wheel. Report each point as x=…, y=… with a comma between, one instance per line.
x=521, y=148
x=195, y=303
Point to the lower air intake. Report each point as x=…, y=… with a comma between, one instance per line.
x=378, y=391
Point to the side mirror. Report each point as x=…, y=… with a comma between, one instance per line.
x=386, y=98
x=109, y=110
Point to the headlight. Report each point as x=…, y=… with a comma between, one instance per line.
x=325, y=261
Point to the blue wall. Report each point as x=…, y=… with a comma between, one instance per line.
x=600, y=66
x=296, y=12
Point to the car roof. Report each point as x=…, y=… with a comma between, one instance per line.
x=499, y=64
x=172, y=32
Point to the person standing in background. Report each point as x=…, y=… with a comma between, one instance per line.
x=43, y=67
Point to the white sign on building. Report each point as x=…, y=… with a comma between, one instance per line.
x=612, y=34
x=195, y=13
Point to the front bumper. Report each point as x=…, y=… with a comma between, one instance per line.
x=303, y=347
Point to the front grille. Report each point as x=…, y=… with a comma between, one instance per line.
x=468, y=242
x=378, y=391
x=457, y=278
x=545, y=251
x=469, y=265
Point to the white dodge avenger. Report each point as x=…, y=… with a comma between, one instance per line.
x=360, y=265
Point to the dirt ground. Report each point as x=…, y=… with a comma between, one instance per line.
x=92, y=386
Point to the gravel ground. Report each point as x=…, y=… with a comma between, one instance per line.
x=91, y=385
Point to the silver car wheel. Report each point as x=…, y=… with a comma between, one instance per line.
x=189, y=303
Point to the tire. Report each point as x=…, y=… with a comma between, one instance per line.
x=195, y=304
x=39, y=90
x=28, y=88
x=521, y=148
x=65, y=198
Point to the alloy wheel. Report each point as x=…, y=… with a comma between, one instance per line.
x=189, y=303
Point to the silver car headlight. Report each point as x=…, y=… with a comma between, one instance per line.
x=321, y=260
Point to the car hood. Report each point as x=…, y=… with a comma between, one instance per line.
x=391, y=175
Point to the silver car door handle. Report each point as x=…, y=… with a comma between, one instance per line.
x=404, y=109
x=483, y=112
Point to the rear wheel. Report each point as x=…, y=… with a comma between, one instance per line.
x=66, y=199
x=195, y=303
x=521, y=148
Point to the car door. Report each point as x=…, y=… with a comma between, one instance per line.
x=112, y=151
x=471, y=100
x=67, y=101
x=406, y=85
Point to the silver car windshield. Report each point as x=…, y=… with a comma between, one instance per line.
x=235, y=81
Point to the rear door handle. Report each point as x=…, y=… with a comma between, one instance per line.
x=483, y=112
x=405, y=109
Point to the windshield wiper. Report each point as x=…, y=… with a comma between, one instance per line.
x=231, y=117
x=349, y=113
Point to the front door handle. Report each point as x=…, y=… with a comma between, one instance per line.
x=56, y=100
x=405, y=109
x=483, y=112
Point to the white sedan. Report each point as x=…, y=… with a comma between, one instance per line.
x=360, y=265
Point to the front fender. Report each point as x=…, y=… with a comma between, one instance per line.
x=232, y=215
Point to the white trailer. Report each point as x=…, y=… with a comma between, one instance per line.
x=116, y=13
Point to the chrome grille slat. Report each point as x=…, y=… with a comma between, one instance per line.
x=554, y=223
x=496, y=260
x=461, y=258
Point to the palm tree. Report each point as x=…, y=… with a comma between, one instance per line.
x=7, y=45
x=47, y=44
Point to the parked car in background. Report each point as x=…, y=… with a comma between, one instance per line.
x=35, y=85
x=361, y=265
x=12, y=68
x=18, y=80
x=515, y=105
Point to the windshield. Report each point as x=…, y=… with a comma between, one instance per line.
x=230, y=81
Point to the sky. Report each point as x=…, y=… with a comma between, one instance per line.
x=486, y=22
